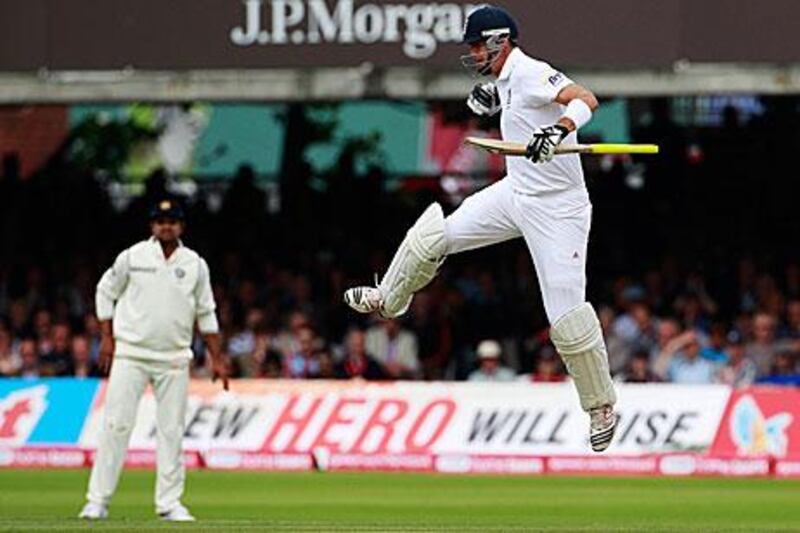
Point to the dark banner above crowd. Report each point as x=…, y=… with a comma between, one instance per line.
x=234, y=34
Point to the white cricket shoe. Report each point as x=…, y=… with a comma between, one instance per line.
x=94, y=511
x=364, y=299
x=602, y=424
x=179, y=513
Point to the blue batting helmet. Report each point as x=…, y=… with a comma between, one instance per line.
x=487, y=21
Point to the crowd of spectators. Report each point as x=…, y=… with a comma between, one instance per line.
x=278, y=328
x=699, y=313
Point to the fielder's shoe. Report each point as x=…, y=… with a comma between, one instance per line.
x=179, y=513
x=364, y=299
x=603, y=423
x=94, y=511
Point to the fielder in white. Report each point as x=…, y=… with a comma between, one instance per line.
x=542, y=199
x=148, y=303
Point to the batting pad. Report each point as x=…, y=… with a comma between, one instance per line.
x=578, y=338
x=415, y=263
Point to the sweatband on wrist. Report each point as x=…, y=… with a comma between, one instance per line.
x=578, y=112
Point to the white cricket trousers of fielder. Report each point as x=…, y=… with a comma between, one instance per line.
x=126, y=384
x=555, y=227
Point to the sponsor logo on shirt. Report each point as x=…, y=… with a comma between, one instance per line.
x=555, y=79
x=143, y=269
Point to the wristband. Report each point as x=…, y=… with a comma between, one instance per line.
x=578, y=112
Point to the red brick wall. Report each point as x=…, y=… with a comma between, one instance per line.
x=35, y=132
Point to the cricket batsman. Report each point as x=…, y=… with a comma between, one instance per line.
x=542, y=199
x=148, y=303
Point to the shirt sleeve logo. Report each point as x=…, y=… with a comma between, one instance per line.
x=555, y=79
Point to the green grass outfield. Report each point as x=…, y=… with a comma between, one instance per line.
x=32, y=500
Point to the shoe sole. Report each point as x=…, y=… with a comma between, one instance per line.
x=601, y=441
x=358, y=307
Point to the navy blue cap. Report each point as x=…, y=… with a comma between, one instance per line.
x=166, y=208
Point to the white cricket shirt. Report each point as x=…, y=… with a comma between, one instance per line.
x=154, y=302
x=528, y=88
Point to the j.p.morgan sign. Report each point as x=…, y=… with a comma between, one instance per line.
x=419, y=27
x=263, y=34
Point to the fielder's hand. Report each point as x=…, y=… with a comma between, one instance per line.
x=219, y=370
x=542, y=146
x=106, y=355
x=484, y=99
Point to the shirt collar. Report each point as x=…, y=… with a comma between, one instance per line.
x=511, y=61
x=155, y=241
x=157, y=247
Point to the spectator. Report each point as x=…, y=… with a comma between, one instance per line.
x=244, y=342
x=82, y=364
x=680, y=361
x=548, y=367
x=792, y=329
x=304, y=361
x=10, y=360
x=287, y=339
x=271, y=366
x=433, y=333
x=639, y=369
x=646, y=334
x=264, y=361
x=43, y=329
x=693, y=311
x=714, y=351
x=57, y=360
x=395, y=349
x=784, y=369
x=491, y=364
x=327, y=368
x=18, y=317
x=625, y=325
x=666, y=331
x=616, y=345
x=637, y=326
x=357, y=363
x=29, y=355
x=761, y=350
x=738, y=370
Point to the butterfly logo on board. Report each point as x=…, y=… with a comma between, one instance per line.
x=754, y=434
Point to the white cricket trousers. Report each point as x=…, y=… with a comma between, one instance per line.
x=555, y=227
x=126, y=384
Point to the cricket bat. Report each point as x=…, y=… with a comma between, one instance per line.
x=497, y=146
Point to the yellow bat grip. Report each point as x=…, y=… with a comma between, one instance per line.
x=624, y=148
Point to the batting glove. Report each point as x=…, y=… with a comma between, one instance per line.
x=542, y=146
x=484, y=99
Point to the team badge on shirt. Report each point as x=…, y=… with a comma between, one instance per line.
x=180, y=273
